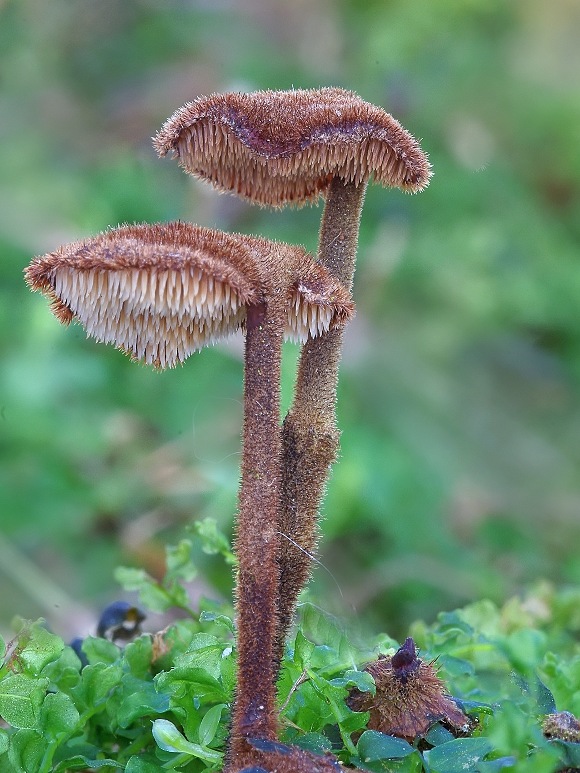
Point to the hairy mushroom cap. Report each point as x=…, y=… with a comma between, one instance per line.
x=409, y=697
x=161, y=292
x=278, y=147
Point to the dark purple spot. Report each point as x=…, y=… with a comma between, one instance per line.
x=405, y=660
x=254, y=769
x=264, y=745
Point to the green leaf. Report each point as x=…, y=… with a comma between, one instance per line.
x=168, y=738
x=97, y=682
x=213, y=540
x=205, y=652
x=214, y=617
x=454, y=667
x=571, y=751
x=4, y=741
x=41, y=648
x=187, y=681
x=314, y=742
x=99, y=651
x=27, y=749
x=132, y=579
x=373, y=746
x=58, y=716
x=80, y=762
x=209, y=724
x=437, y=734
x=323, y=629
x=20, y=700
x=64, y=672
x=138, y=655
x=458, y=756
x=492, y=766
x=303, y=649
x=138, y=698
x=362, y=680
x=145, y=764
x=179, y=562
x=151, y=594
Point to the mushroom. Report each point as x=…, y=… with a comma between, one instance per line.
x=162, y=291
x=409, y=698
x=279, y=147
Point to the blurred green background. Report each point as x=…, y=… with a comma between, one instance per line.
x=459, y=398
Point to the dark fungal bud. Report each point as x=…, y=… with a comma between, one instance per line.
x=405, y=660
x=409, y=698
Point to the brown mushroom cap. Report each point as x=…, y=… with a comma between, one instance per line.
x=409, y=697
x=160, y=292
x=277, y=147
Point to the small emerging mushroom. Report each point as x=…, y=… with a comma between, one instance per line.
x=409, y=697
x=161, y=291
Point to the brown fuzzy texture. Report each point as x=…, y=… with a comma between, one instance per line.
x=280, y=147
x=258, y=529
x=310, y=437
x=409, y=697
x=257, y=536
x=563, y=725
x=160, y=292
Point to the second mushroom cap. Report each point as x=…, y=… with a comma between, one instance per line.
x=161, y=292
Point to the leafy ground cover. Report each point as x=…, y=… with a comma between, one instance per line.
x=162, y=702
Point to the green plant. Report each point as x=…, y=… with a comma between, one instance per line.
x=163, y=701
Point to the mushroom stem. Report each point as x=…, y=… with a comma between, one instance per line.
x=257, y=537
x=310, y=437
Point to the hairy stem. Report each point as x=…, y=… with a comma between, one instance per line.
x=257, y=541
x=310, y=437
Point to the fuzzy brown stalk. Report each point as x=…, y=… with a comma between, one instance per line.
x=257, y=537
x=310, y=437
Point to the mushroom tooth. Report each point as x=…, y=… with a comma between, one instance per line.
x=218, y=297
x=169, y=300
x=194, y=284
x=113, y=286
x=313, y=321
x=160, y=289
x=57, y=281
x=184, y=277
x=143, y=286
x=202, y=294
